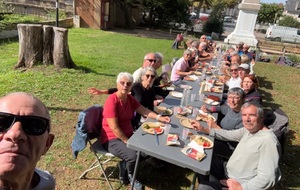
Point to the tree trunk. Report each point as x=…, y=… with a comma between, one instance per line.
x=30, y=45
x=43, y=44
x=48, y=44
x=61, y=53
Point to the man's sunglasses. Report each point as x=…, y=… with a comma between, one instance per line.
x=151, y=60
x=31, y=125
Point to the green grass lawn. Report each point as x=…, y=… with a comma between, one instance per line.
x=100, y=56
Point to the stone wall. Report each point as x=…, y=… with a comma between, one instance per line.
x=65, y=23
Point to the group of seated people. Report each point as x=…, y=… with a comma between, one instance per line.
x=135, y=96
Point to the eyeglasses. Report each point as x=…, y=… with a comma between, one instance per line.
x=233, y=70
x=152, y=76
x=31, y=125
x=152, y=60
x=127, y=83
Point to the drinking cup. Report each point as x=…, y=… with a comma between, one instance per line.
x=201, y=97
x=193, y=97
x=167, y=129
x=176, y=110
x=195, y=112
x=185, y=133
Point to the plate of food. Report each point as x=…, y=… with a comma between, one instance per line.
x=176, y=94
x=150, y=127
x=186, y=122
x=191, y=78
x=203, y=141
x=163, y=110
x=170, y=88
x=185, y=86
x=208, y=72
x=198, y=73
x=210, y=101
x=202, y=116
x=218, y=83
x=216, y=89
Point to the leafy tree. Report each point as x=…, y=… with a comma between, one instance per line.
x=161, y=12
x=215, y=20
x=268, y=12
x=289, y=21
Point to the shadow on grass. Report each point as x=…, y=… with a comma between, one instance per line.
x=88, y=70
x=169, y=177
x=290, y=164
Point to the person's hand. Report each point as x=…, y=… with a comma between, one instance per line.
x=212, y=124
x=93, y=91
x=231, y=184
x=204, y=108
x=164, y=119
x=191, y=72
x=157, y=102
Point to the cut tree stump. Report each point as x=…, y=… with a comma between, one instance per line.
x=30, y=45
x=43, y=44
x=61, y=53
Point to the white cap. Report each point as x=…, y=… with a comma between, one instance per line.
x=244, y=66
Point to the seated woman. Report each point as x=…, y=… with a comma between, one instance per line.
x=250, y=85
x=231, y=121
x=145, y=94
x=118, y=111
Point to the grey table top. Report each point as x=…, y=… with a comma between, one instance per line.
x=141, y=141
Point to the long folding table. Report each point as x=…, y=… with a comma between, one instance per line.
x=142, y=142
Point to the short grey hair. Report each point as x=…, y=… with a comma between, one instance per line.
x=149, y=69
x=159, y=56
x=235, y=65
x=124, y=75
x=187, y=52
x=259, y=109
x=237, y=91
x=195, y=44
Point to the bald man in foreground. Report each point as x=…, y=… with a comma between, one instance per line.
x=24, y=138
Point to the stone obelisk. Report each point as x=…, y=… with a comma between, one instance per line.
x=245, y=24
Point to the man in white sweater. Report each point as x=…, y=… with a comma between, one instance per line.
x=254, y=162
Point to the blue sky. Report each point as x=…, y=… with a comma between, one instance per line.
x=272, y=1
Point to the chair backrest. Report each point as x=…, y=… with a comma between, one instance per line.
x=93, y=121
x=166, y=68
x=89, y=126
x=278, y=121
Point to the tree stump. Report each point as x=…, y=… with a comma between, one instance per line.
x=43, y=44
x=48, y=44
x=30, y=45
x=61, y=53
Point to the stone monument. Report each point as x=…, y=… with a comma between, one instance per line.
x=245, y=24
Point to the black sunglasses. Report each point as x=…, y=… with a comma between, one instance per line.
x=151, y=60
x=31, y=125
x=152, y=76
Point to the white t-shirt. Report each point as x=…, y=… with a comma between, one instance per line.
x=47, y=181
x=234, y=82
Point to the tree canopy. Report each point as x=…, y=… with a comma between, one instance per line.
x=269, y=12
x=289, y=21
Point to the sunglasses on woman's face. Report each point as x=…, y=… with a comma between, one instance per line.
x=152, y=76
x=127, y=83
x=31, y=125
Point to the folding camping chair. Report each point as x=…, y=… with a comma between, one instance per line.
x=88, y=128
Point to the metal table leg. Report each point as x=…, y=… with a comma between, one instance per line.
x=194, y=181
x=135, y=169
